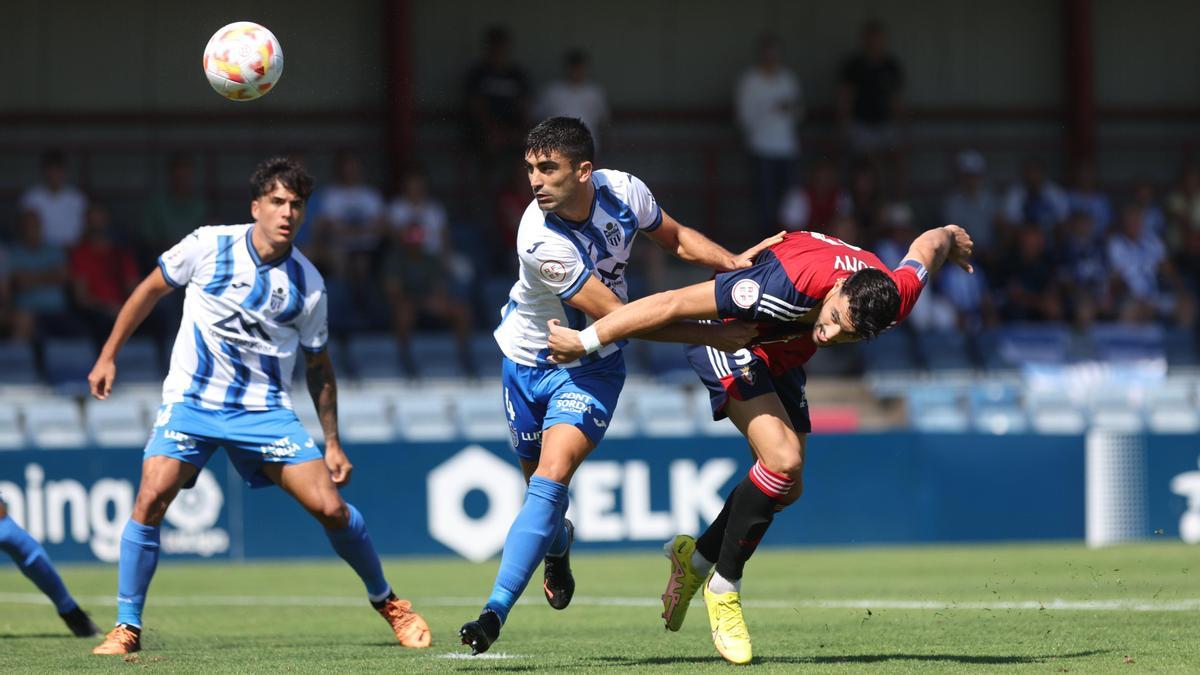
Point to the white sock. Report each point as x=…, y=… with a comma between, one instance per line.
x=700, y=563
x=719, y=584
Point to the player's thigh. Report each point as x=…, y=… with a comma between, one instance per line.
x=564, y=447
x=765, y=423
x=309, y=484
x=523, y=412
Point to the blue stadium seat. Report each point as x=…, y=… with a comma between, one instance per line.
x=668, y=363
x=68, y=362
x=1033, y=343
x=945, y=350
x=987, y=394
x=1124, y=342
x=17, y=364
x=1180, y=346
x=487, y=355
x=891, y=351
x=374, y=357
x=138, y=361
x=999, y=419
x=436, y=355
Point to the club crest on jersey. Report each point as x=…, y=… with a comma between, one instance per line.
x=745, y=293
x=612, y=234
x=275, y=304
x=553, y=271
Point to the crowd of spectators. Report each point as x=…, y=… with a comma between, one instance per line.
x=398, y=262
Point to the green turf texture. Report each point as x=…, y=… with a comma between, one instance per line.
x=344, y=637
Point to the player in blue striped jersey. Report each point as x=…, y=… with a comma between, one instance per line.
x=252, y=304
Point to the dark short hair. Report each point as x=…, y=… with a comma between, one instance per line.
x=53, y=158
x=874, y=301
x=576, y=57
x=566, y=135
x=287, y=171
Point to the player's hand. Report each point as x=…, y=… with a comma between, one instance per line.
x=338, y=464
x=961, y=247
x=564, y=343
x=731, y=336
x=100, y=380
x=746, y=259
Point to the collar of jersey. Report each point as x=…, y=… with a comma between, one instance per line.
x=257, y=260
x=591, y=212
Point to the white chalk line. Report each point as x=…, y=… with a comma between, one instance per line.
x=1114, y=605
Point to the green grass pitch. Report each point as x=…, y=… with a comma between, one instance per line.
x=1001, y=609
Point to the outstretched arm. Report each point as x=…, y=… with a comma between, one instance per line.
x=132, y=314
x=934, y=247
x=688, y=244
x=640, y=318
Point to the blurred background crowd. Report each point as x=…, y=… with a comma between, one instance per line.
x=407, y=251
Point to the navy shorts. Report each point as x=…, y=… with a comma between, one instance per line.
x=742, y=375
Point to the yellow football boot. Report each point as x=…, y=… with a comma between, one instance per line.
x=729, y=632
x=683, y=582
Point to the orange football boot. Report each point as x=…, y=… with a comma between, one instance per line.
x=411, y=630
x=121, y=640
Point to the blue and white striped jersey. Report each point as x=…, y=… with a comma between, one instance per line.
x=557, y=257
x=243, y=320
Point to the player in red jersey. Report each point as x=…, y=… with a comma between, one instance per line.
x=806, y=292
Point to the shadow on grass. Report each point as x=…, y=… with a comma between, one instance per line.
x=852, y=658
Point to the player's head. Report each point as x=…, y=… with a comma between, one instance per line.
x=558, y=159
x=279, y=189
x=54, y=169
x=859, y=308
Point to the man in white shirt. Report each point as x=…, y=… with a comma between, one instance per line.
x=770, y=103
x=59, y=204
x=577, y=95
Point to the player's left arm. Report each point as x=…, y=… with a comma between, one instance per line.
x=934, y=247
x=688, y=244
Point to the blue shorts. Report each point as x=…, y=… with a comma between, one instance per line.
x=742, y=375
x=536, y=399
x=251, y=438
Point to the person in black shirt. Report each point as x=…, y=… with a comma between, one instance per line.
x=869, y=103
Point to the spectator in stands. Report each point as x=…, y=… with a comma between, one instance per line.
x=1183, y=211
x=969, y=298
x=866, y=199
x=419, y=288
x=972, y=205
x=510, y=205
x=896, y=220
x=14, y=323
x=58, y=204
x=770, y=103
x=870, y=104
x=1082, y=269
x=497, y=93
x=577, y=95
x=414, y=208
x=39, y=277
x=1156, y=218
x=1085, y=196
x=1030, y=286
x=817, y=204
x=175, y=212
x=1035, y=199
x=1146, y=283
x=351, y=217
x=103, y=273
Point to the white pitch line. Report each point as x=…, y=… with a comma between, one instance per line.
x=1116, y=605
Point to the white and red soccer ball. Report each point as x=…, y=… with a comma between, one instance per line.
x=243, y=61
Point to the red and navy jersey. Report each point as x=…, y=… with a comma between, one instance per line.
x=792, y=278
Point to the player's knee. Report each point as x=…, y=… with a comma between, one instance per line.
x=333, y=514
x=151, y=505
x=787, y=459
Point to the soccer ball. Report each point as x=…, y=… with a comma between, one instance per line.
x=243, y=61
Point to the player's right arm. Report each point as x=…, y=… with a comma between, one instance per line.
x=135, y=310
x=639, y=318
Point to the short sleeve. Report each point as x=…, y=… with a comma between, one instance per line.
x=645, y=208
x=314, y=325
x=761, y=293
x=180, y=261
x=910, y=280
x=557, y=265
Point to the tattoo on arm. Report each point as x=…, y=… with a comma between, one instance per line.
x=322, y=387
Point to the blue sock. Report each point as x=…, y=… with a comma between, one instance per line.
x=35, y=564
x=139, y=558
x=536, y=526
x=354, y=545
x=561, y=541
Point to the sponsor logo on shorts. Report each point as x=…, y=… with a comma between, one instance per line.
x=574, y=402
x=553, y=271
x=182, y=440
x=745, y=293
x=282, y=447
